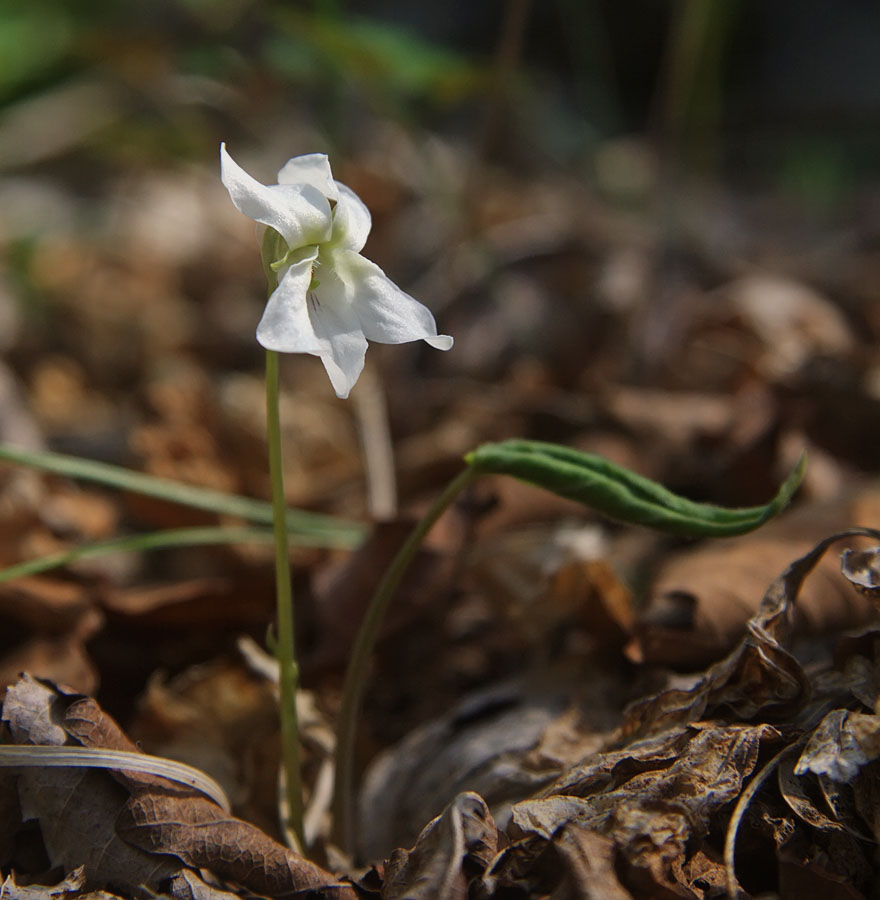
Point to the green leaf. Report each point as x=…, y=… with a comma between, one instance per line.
x=621, y=494
x=305, y=528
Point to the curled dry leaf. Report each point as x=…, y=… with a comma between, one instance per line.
x=451, y=850
x=72, y=885
x=130, y=829
x=758, y=676
x=862, y=568
x=700, y=600
x=588, y=861
x=841, y=745
x=76, y=808
x=652, y=798
x=577, y=863
x=803, y=797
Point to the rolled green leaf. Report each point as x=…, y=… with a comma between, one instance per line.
x=621, y=494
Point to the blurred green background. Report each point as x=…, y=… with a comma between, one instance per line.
x=784, y=92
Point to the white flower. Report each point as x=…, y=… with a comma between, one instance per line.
x=330, y=300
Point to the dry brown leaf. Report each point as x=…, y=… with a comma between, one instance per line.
x=692, y=772
x=862, y=569
x=589, y=860
x=655, y=799
x=700, y=601
x=803, y=797
x=452, y=850
x=239, y=600
x=793, y=321
x=130, y=829
x=343, y=591
x=840, y=745
x=63, y=658
x=76, y=808
x=760, y=675
x=48, y=604
x=71, y=885
x=660, y=789
x=46, y=623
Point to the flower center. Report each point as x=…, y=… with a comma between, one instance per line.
x=313, y=283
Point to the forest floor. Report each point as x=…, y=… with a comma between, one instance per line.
x=593, y=710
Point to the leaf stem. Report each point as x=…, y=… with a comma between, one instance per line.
x=284, y=651
x=356, y=674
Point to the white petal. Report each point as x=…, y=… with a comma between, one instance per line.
x=336, y=325
x=351, y=220
x=299, y=213
x=386, y=313
x=313, y=169
x=286, y=325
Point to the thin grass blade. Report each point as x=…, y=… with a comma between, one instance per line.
x=306, y=528
x=152, y=540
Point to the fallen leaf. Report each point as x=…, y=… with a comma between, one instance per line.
x=840, y=745
x=804, y=798
x=71, y=885
x=343, y=591
x=760, y=675
x=862, y=569
x=701, y=601
x=793, y=321
x=452, y=850
x=131, y=829
x=588, y=859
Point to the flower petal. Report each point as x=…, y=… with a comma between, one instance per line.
x=286, y=325
x=299, y=213
x=351, y=220
x=313, y=169
x=336, y=324
x=386, y=313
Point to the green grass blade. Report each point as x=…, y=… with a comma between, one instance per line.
x=152, y=540
x=306, y=528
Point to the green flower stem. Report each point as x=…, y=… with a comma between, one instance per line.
x=284, y=651
x=356, y=674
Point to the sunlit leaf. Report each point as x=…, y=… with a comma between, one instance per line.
x=621, y=494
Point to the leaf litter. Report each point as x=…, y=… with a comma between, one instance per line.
x=642, y=809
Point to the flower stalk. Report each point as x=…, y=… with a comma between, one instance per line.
x=288, y=670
